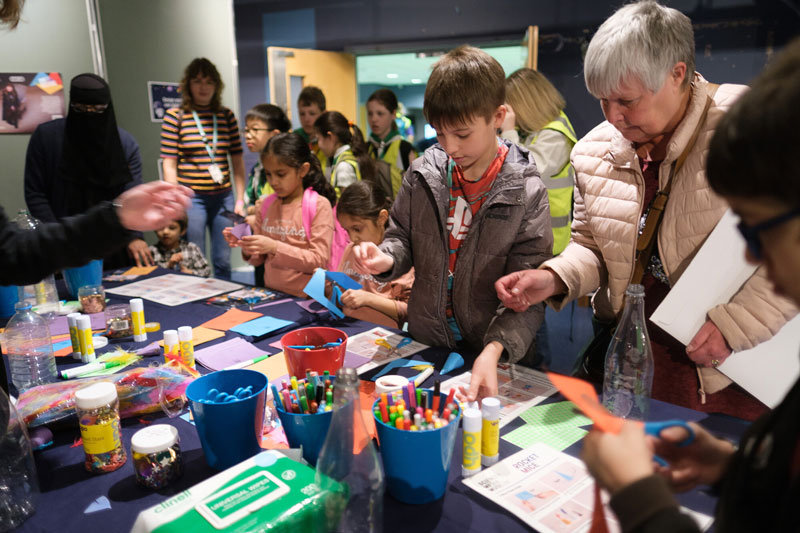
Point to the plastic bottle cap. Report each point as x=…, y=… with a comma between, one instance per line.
x=72, y=320
x=184, y=333
x=170, y=337
x=136, y=304
x=490, y=408
x=154, y=439
x=84, y=322
x=95, y=395
x=99, y=342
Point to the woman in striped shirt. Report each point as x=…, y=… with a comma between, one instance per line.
x=196, y=140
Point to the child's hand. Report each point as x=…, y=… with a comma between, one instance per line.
x=230, y=238
x=140, y=252
x=370, y=260
x=175, y=260
x=251, y=221
x=483, y=382
x=524, y=288
x=356, y=298
x=258, y=244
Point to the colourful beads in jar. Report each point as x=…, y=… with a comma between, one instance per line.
x=98, y=416
x=156, y=456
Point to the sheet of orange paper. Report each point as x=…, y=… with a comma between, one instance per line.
x=583, y=395
x=366, y=393
x=230, y=318
x=201, y=335
x=138, y=271
x=274, y=367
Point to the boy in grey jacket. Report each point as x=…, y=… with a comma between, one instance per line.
x=470, y=210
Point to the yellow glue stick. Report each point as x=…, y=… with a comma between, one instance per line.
x=72, y=322
x=137, y=316
x=187, y=345
x=85, y=338
x=471, y=442
x=171, y=344
x=490, y=435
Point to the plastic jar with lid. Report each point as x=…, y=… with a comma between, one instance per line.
x=119, y=322
x=156, y=456
x=92, y=298
x=98, y=417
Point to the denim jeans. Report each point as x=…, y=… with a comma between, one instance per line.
x=206, y=212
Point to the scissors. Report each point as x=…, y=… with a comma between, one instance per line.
x=655, y=429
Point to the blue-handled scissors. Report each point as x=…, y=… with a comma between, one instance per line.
x=655, y=429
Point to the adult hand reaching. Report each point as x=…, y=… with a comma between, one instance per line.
x=370, y=260
x=519, y=290
x=152, y=206
x=708, y=347
x=140, y=252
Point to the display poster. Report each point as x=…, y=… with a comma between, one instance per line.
x=29, y=99
x=163, y=95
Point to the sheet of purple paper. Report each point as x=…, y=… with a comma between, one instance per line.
x=276, y=302
x=353, y=360
x=242, y=230
x=312, y=306
x=59, y=325
x=98, y=321
x=225, y=354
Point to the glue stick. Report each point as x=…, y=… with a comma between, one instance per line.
x=85, y=338
x=471, y=442
x=187, y=345
x=137, y=316
x=72, y=322
x=490, y=434
x=171, y=344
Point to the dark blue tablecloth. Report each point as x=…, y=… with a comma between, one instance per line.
x=67, y=489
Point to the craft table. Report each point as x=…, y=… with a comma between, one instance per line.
x=67, y=490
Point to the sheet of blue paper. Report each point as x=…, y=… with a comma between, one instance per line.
x=454, y=360
x=61, y=345
x=315, y=288
x=342, y=279
x=261, y=326
x=399, y=363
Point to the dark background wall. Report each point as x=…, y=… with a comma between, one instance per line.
x=735, y=38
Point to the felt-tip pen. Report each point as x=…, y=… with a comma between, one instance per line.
x=246, y=363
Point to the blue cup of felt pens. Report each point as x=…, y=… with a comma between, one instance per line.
x=228, y=410
x=417, y=461
x=304, y=429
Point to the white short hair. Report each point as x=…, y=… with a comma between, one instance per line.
x=643, y=40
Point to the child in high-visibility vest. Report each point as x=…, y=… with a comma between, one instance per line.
x=385, y=141
x=342, y=141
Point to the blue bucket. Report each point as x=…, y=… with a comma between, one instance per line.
x=417, y=463
x=9, y=295
x=308, y=431
x=229, y=432
x=88, y=274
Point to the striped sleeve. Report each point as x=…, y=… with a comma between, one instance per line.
x=233, y=133
x=170, y=134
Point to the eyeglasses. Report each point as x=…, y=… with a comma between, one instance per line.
x=751, y=233
x=88, y=108
x=253, y=130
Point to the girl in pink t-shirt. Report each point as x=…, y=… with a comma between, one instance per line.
x=279, y=239
x=362, y=212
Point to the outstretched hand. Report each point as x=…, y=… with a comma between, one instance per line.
x=153, y=205
x=524, y=288
x=370, y=260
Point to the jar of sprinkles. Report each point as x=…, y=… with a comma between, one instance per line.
x=98, y=416
x=156, y=456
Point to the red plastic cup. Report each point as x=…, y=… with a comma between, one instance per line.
x=317, y=360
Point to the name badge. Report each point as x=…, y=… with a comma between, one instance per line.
x=216, y=173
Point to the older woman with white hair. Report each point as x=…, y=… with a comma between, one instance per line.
x=642, y=173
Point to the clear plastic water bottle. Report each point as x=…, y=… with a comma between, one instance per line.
x=349, y=456
x=43, y=295
x=628, y=379
x=19, y=488
x=29, y=348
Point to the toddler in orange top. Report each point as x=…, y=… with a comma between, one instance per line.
x=362, y=212
x=280, y=241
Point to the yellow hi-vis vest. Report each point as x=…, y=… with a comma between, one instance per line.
x=560, y=188
x=391, y=155
x=347, y=157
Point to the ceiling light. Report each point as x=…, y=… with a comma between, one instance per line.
x=416, y=80
x=392, y=76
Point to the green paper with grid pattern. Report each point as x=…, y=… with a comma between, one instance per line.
x=556, y=424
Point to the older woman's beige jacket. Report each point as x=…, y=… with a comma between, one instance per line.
x=609, y=193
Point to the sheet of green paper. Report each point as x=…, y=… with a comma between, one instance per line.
x=530, y=434
x=552, y=415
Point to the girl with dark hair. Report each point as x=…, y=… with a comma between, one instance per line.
x=288, y=245
x=262, y=122
x=342, y=141
x=195, y=142
x=385, y=141
x=363, y=213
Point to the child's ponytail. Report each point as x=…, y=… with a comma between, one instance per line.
x=346, y=132
x=293, y=151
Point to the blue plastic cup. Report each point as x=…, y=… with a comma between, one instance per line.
x=230, y=431
x=308, y=431
x=417, y=463
x=88, y=274
x=9, y=295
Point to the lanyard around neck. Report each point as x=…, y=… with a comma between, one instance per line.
x=211, y=151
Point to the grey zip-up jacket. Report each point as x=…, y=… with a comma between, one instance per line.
x=510, y=232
